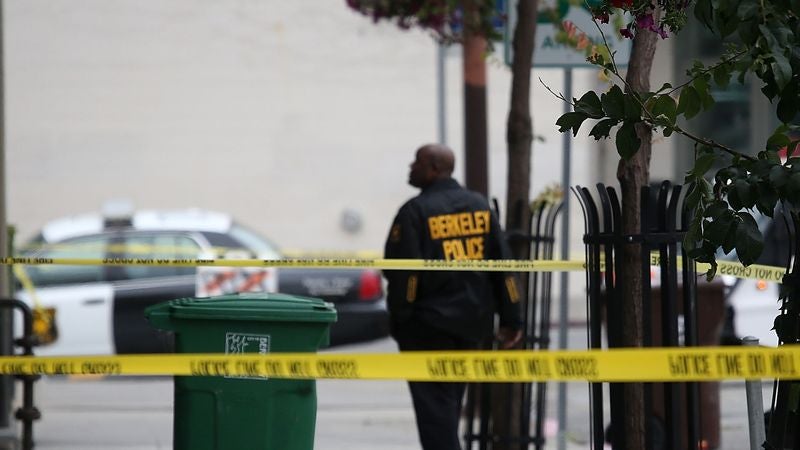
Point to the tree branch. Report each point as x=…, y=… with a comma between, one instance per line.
x=709, y=69
x=713, y=144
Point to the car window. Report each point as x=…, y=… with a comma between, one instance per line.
x=92, y=247
x=240, y=237
x=255, y=242
x=138, y=245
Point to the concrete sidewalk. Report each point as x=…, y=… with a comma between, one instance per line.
x=136, y=414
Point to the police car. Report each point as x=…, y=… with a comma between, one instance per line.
x=99, y=309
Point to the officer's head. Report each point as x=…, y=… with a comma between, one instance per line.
x=433, y=162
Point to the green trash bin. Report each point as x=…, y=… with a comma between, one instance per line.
x=218, y=412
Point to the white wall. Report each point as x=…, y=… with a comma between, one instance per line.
x=284, y=114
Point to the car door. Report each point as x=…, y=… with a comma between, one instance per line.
x=79, y=295
x=138, y=286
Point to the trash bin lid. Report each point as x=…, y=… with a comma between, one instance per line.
x=250, y=307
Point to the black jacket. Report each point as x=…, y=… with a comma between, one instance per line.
x=447, y=222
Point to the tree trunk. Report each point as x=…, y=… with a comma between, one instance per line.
x=476, y=173
x=519, y=131
x=632, y=175
x=507, y=398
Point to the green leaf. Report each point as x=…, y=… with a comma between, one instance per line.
x=703, y=91
x=748, y=31
x=590, y=105
x=749, y=241
x=704, y=149
x=665, y=106
x=613, y=103
x=747, y=9
x=705, y=189
x=736, y=190
x=715, y=231
x=781, y=68
x=783, y=34
x=693, y=197
x=703, y=164
x=726, y=174
x=603, y=128
x=693, y=234
x=711, y=271
x=788, y=281
x=770, y=156
x=767, y=35
x=779, y=139
x=627, y=141
x=703, y=11
x=571, y=120
x=729, y=241
x=778, y=176
x=689, y=102
x=665, y=87
x=722, y=75
x=726, y=19
x=633, y=108
x=746, y=192
x=785, y=327
x=770, y=89
x=788, y=104
x=792, y=188
x=715, y=209
x=767, y=199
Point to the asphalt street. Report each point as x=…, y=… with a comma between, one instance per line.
x=135, y=413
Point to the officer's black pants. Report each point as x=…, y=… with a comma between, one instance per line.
x=437, y=405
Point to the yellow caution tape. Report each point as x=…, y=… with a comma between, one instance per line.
x=618, y=365
x=344, y=263
x=735, y=269
x=755, y=271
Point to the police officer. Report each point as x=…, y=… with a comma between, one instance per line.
x=446, y=310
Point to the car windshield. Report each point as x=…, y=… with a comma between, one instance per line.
x=239, y=237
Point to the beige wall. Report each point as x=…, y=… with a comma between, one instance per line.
x=285, y=114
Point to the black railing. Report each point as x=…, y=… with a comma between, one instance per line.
x=670, y=317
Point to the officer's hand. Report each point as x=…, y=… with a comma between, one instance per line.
x=509, y=337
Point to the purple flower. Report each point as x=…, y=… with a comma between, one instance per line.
x=602, y=17
x=645, y=22
x=626, y=33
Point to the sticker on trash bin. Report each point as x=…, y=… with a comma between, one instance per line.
x=240, y=343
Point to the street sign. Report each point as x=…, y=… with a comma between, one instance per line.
x=555, y=16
